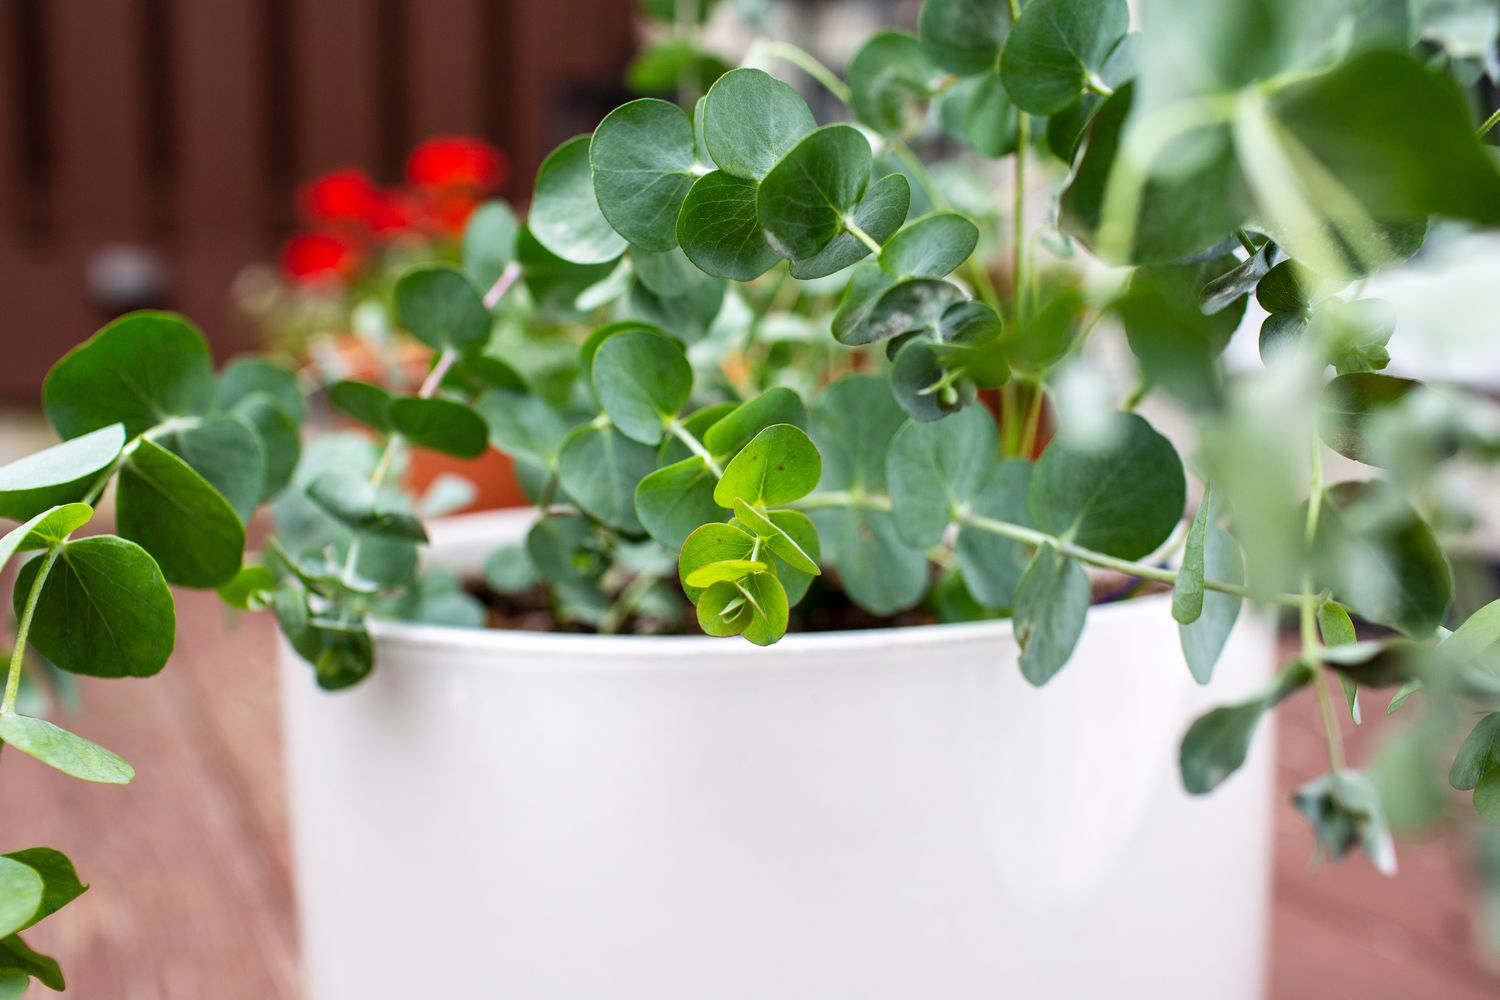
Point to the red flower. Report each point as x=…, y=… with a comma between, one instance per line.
x=448, y=211
x=311, y=258
x=343, y=196
x=395, y=212
x=457, y=161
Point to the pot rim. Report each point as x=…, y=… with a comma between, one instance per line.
x=455, y=541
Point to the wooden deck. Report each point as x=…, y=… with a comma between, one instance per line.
x=193, y=900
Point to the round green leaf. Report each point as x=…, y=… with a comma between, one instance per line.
x=880, y=213
x=889, y=79
x=139, y=371
x=226, y=450
x=751, y=120
x=440, y=425
x=805, y=199
x=768, y=599
x=922, y=382
x=60, y=882
x=280, y=437
x=600, y=468
x=642, y=160
x=1479, y=754
x=668, y=273
x=777, y=540
x=736, y=428
x=349, y=498
x=720, y=231
x=1487, y=796
x=441, y=308
x=933, y=470
x=688, y=316
x=879, y=572
x=489, y=243
x=57, y=475
x=70, y=754
x=248, y=376
x=554, y=283
x=1052, y=601
x=963, y=36
x=1351, y=402
x=991, y=565
x=565, y=217
x=778, y=466
x=853, y=425
x=1057, y=47
x=642, y=380
x=20, y=888
x=724, y=611
x=930, y=247
x=362, y=401
x=978, y=112
x=1123, y=500
x=104, y=610
x=910, y=305
x=173, y=512
x=674, y=501
x=711, y=543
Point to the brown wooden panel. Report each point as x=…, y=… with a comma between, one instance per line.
x=98, y=80
x=11, y=145
x=221, y=177
x=336, y=96
x=446, y=44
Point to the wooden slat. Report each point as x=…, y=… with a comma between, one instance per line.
x=446, y=45
x=221, y=121
x=334, y=59
x=11, y=147
x=103, y=191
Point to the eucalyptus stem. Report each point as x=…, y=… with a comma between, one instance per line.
x=695, y=446
x=1031, y=427
x=864, y=237
x=1489, y=123
x=1018, y=220
x=625, y=605
x=807, y=63
x=502, y=284
x=23, y=629
x=1031, y=536
x=1312, y=645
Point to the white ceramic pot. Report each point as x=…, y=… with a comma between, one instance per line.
x=882, y=815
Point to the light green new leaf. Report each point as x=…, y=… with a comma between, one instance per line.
x=1123, y=501
x=140, y=370
x=715, y=542
x=60, y=882
x=44, y=529
x=1057, y=48
x=778, y=466
x=731, y=570
x=440, y=425
x=890, y=80
x=930, y=247
x=880, y=213
x=72, y=755
x=600, y=468
x=674, y=501
x=723, y=610
x=1479, y=754
x=489, y=243
x=21, y=889
x=964, y=36
x=442, y=309
x=805, y=199
x=933, y=470
x=1052, y=601
x=347, y=497
x=642, y=380
x=991, y=566
x=104, y=610
x=642, y=160
x=188, y=527
x=751, y=120
x=800, y=530
x=767, y=597
x=778, y=540
x=57, y=475
x=565, y=216
x=250, y=590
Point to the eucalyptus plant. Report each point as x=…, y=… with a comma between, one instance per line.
x=900, y=457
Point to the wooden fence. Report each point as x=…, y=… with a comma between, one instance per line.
x=178, y=129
